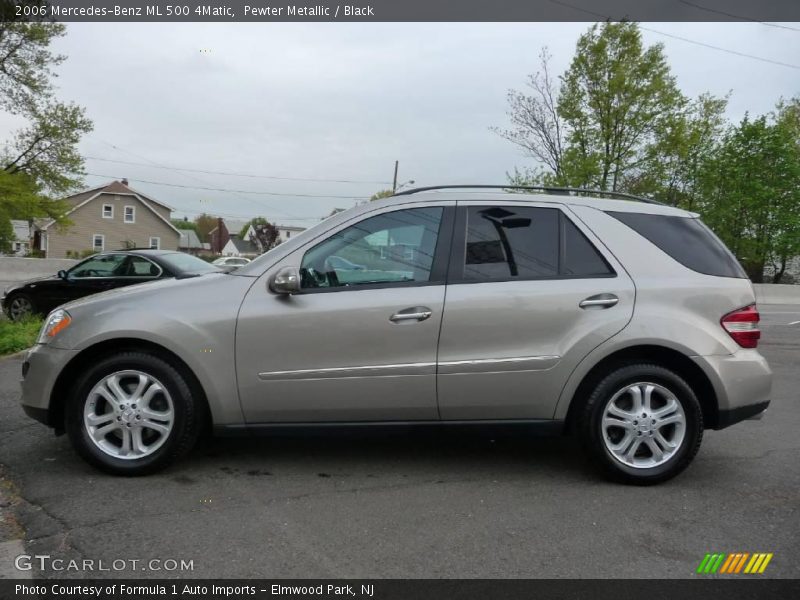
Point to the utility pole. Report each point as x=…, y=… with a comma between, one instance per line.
x=394, y=181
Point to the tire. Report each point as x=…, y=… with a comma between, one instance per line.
x=19, y=306
x=670, y=420
x=125, y=393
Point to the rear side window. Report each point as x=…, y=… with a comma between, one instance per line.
x=687, y=240
x=510, y=242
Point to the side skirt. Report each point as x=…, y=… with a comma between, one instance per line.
x=527, y=427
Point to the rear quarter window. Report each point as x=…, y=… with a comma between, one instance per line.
x=687, y=240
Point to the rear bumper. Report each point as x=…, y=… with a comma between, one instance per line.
x=726, y=418
x=742, y=382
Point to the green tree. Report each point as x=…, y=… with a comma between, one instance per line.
x=750, y=192
x=203, y=225
x=184, y=224
x=381, y=194
x=254, y=222
x=22, y=199
x=595, y=128
x=41, y=160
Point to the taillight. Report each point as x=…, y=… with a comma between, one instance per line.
x=742, y=326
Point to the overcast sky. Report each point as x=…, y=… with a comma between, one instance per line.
x=344, y=101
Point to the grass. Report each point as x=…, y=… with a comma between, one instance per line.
x=18, y=336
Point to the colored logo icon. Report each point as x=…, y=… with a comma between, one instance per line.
x=735, y=563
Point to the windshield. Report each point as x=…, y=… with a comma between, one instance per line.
x=186, y=264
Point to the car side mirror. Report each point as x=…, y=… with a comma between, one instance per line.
x=285, y=281
x=62, y=274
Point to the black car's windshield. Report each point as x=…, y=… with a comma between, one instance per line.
x=185, y=265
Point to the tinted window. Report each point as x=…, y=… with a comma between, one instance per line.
x=141, y=267
x=578, y=256
x=511, y=241
x=394, y=247
x=104, y=265
x=687, y=240
x=186, y=264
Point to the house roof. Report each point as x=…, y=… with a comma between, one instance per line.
x=22, y=231
x=189, y=239
x=243, y=246
x=290, y=228
x=115, y=187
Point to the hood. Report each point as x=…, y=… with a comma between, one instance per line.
x=186, y=288
x=14, y=285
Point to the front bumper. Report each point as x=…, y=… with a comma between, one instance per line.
x=40, y=370
x=742, y=382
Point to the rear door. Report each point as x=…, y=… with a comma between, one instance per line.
x=531, y=291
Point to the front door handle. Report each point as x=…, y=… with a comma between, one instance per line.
x=415, y=313
x=599, y=301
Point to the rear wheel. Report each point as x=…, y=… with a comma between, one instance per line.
x=642, y=424
x=19, y=307
x=131, y=414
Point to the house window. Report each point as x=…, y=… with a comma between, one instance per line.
x=155, y=243
x=288, y=234
x=130, y=214
x=108, y=211
x=98, y=242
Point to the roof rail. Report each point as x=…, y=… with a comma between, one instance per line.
x=565, y=191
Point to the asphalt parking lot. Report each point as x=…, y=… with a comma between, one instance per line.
x=413, y=506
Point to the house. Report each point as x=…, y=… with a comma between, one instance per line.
x=21, y=245
x=285, y=232
x=191, y=244
x=227, y=228
x=237, y=246
x=109, y=217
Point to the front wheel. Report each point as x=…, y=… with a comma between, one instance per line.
x=19, y=306
x=131, y=414
x=642, y=424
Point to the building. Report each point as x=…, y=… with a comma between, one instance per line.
x=21, y=245
x=109, y=217
x=227, y=229
x=191, y=244
x=236, y=246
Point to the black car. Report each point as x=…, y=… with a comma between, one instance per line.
x=98, y=273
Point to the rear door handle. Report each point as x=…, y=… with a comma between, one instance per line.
x=599, y=301
x=415, y=313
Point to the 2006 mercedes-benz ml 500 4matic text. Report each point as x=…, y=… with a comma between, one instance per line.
x=624, y=321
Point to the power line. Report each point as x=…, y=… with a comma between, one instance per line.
x=213, y=189
x=733, y=16
x=683, y=39
x=253, y=201
x=306, y=179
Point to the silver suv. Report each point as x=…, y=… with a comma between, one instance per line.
x=624, y=321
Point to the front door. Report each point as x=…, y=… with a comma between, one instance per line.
x=359, y=342
x=531, y=292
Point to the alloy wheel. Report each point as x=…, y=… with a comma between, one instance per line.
x=19, y=308
x=129, y=414
x=643, y=425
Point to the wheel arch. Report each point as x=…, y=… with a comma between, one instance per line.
x=64, y=382
x=670, y=358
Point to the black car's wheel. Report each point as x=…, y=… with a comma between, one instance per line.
x=642, y=424
x=131, y=414
x=19, y=306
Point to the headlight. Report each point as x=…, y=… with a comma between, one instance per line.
x=56, y=322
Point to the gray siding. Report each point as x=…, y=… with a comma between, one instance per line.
x=88, y=220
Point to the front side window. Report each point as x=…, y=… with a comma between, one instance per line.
x=130, y=214
x=107, y=265
x=522, y=242
x=390, y=248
